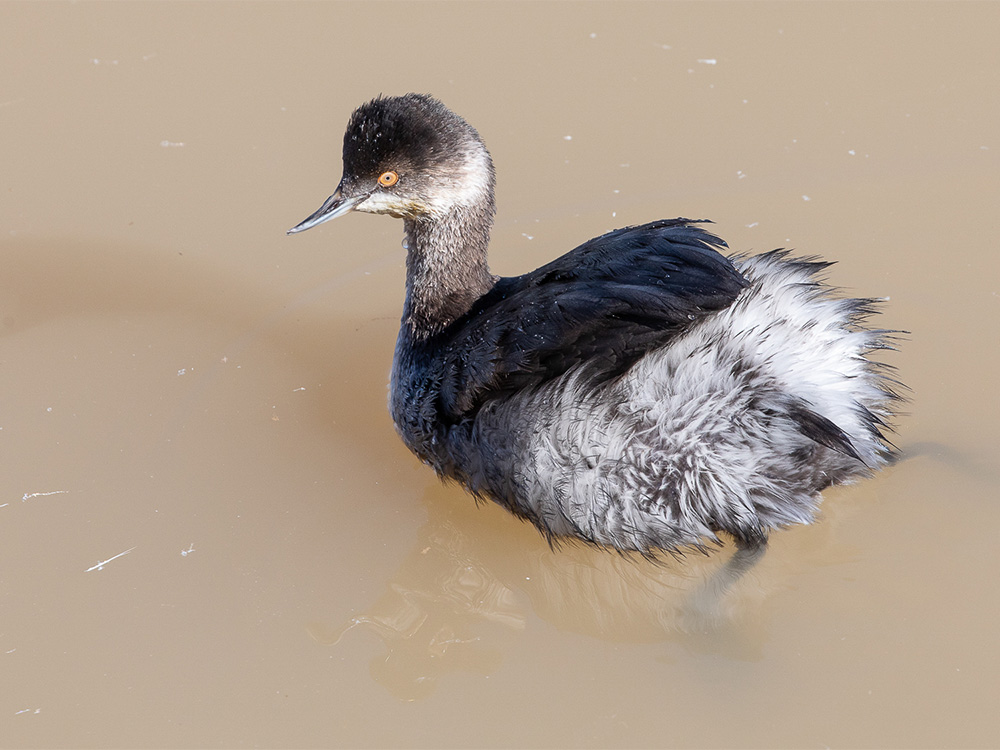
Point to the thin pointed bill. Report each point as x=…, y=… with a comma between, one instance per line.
x=334, y=206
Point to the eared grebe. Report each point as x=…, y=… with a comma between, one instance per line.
x=642, y=392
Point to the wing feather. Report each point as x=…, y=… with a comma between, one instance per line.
x=604, y=304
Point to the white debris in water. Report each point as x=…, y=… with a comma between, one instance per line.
x=851, y=152
x=28, y=496
x=188, y=551
x=567, y=137
x=171, y=144
x=528, y=236
x=806, y=198
x=100, y=565
x=753, y=224
x=708, y=61
x=740, y=174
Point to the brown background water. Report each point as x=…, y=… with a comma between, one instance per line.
x=180, y=379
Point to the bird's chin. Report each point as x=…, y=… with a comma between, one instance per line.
x=396, y=209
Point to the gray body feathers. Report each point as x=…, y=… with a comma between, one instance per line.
x=734, y=425
x=643, y=391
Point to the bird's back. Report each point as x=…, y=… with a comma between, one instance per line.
x=650, y=409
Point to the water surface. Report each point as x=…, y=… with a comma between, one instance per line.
x=209, y=532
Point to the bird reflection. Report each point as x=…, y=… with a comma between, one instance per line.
x=476, y=578
x=438, y=615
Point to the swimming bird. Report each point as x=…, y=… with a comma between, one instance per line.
x=643, y=392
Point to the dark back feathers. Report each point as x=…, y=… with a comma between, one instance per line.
x=603, y=305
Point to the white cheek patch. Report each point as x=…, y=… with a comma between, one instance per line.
x=385, y=202
x=471, y=185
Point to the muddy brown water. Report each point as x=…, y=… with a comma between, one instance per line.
x=210, y=535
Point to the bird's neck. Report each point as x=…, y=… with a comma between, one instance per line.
x=446, y=267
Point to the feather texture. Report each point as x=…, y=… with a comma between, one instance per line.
x=734, y=421
x=643, y=391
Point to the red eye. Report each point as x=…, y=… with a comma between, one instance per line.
x=388, y=179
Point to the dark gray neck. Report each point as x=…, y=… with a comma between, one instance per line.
x=446, y=267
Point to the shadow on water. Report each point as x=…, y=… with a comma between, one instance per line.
x=475, y=577
x=70, y=279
